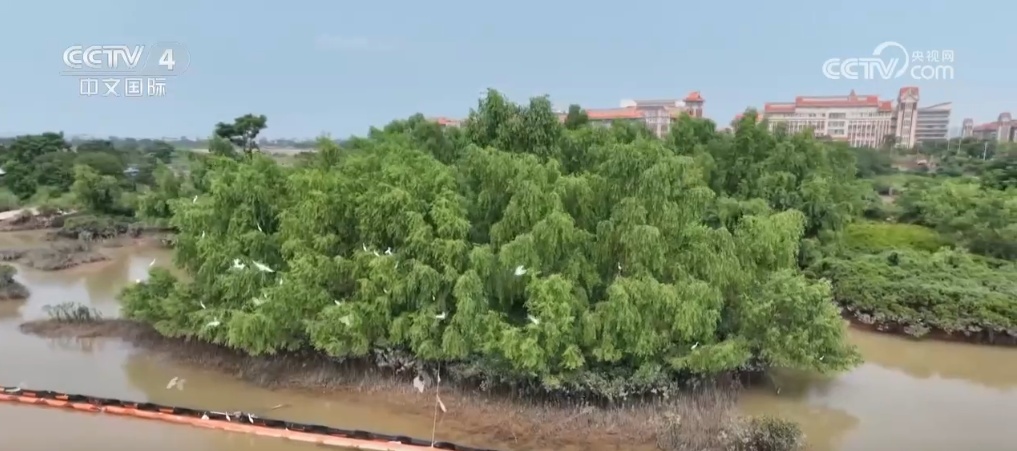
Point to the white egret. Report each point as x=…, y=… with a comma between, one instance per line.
x=695, y=346
x=346, y=320
x=195, y=200
x=152, y=263
x=388, y=251
x=213, y=323
x=257, y=301
x=176, y=382
x=441, y=316
x=418, y=383
x=202, y=304
x=534, y=320
x=262, y=267
x=520, y=270
x=237, y=264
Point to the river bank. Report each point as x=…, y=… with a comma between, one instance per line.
x=919, y=331
x=706, y=416
x=65, y=241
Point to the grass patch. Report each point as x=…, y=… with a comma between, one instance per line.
x=875, y=237
x=72, y=312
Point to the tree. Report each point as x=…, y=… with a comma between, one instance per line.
x=103, y=163
x=27, y=158
x=98, y=145
x=576, y=117
x=161, y=150
x=243, y=132
x=96, y=192
x=616, y=276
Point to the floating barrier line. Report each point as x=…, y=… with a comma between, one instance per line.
x=242, y=422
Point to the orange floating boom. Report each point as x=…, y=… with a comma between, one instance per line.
x=228, y=421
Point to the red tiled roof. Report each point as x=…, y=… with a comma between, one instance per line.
x=614, y=113
x=909, y=89
x=446, y=121
x=694, y=96
x=986, y=127
x=851, y=100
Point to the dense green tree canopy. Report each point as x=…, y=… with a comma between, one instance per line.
x=517, y=246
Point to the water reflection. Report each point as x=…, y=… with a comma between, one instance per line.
x=825, y=427
x=11, y=310
x=84, y=345
x=991, y=366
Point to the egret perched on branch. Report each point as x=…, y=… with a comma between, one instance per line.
x=237, y=264
x=195, y=200
x=533, y=319
x=202, y=304
x=388, y=251
x=214, y=323
x=520, y=270
x=441, y=316
x=257, y=301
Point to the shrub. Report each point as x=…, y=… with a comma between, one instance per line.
x=875, y=237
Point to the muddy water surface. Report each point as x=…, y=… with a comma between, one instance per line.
x=908, y=395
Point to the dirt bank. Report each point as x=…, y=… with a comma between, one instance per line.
x=55, y=255
x=522, y=424
x=29, y=219
x=868, y=322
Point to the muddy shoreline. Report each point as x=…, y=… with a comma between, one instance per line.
x=525, y=425
x=863, y=321
x=57, y=253
x=513, y=421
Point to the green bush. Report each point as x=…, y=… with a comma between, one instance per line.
x=875, y=237
x=8, y=201
x=948, y=290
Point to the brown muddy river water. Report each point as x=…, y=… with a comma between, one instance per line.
x=927, y=396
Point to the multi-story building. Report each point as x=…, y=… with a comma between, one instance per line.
x=1004, y=129
x=904, y=123
x=934, y=123
x=862, y=120
x=657, y=115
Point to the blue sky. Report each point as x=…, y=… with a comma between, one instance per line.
x=341, y=66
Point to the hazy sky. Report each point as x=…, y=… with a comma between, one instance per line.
x=341, y=66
